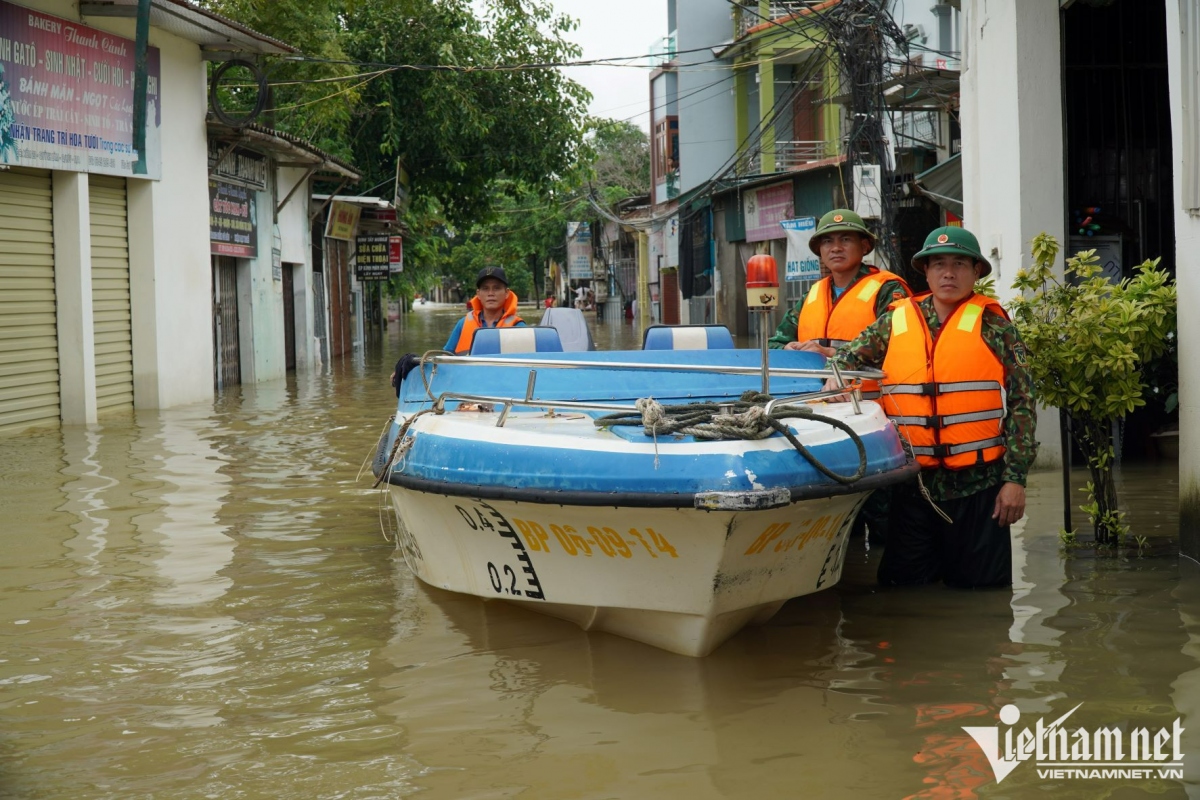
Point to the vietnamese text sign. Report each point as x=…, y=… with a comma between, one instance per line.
x=343, y=220
x=802, y=264
x=765, y=208
x=579, y=251
x=237, y=164
x=372, y=257
x=66, y=96
x=232, y=220
x=396, y=254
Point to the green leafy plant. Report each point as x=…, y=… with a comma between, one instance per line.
x=1090, y=341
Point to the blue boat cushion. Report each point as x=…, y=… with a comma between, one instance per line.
x=494, y=341
x=688, y=337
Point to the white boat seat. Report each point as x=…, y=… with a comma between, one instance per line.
x=494, y=341
x=687, y=337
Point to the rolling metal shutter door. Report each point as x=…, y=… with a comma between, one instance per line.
x=28, y=319
x=110, y=293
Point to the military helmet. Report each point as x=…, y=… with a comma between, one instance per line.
x=953, y=240
x=836, y=221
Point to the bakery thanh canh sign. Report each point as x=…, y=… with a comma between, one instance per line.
x=66, y=96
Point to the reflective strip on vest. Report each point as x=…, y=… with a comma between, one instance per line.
x=942, y=451
x=968, y=386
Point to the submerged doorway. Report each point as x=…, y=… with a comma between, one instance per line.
x=227, y=368
x=1118, y=132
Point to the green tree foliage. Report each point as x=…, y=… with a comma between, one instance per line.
x=461, y=130
x=1090, y=342
x=621, y=159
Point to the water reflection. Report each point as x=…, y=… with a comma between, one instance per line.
x=199, y=602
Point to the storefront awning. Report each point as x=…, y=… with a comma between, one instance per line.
x=943, y=185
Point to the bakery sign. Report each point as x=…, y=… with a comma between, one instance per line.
x=66, y=96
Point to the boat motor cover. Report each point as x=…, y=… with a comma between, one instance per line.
x=572, y=328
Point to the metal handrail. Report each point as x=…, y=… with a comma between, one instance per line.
x=784, y=372
x=439, y=404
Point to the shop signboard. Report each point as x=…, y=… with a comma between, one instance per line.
x=395, y=254
x=579, y=251
x=802, y=264
x=372, y=257
x=66, y=96
x=343, y=220
x=765, y=208
x=232, y=220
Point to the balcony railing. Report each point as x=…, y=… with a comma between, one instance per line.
x=750, y=15
x=788, y=156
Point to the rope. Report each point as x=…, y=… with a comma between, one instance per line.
x=747, y=418
x=397, y=449
x=908, y=451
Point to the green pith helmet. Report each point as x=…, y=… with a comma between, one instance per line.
x=953, y=240
x=836, y=221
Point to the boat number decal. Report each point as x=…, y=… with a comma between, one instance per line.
x=831, y=570
x=605, y=541
x=504, y=578
x=825, y=527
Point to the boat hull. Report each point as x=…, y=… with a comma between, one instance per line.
x=681, y=579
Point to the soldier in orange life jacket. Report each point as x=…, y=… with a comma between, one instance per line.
x=836, y=309
x=493, y=306
x=957, y=385
x=839, y=306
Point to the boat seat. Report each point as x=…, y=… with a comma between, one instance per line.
x=494, y=341
x=687, y=337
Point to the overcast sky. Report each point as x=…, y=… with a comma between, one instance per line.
x=610, y=28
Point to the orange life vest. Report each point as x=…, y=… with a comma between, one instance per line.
x=947, y=395
x=834, y=322
x=474, y=321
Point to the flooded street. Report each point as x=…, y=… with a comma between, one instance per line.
x=201, y=603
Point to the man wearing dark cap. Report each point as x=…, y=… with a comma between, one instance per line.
x=493, y=306
x=957, y=385
x=839, y=306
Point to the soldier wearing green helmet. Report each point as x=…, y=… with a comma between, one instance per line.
x=850, y=297
x=957, y=385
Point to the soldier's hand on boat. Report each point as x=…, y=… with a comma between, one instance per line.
x=811, y=346
x=831, y=385
x=1010, y=504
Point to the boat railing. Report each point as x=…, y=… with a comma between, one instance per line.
x=530, y=401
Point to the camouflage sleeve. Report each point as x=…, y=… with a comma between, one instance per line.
x=1020, y=426
x=889, y=293
x=785, y=334
x=869, y=349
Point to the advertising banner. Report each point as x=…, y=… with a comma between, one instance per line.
x=372, y=257
x=395, y=254
x=765, y=208
x=343, y=220
x=232, y=220
x=802, y=264
x=579, y=251
x=66, y=96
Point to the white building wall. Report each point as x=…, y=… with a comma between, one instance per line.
x=265, y=294
x=296, y=237
x=1012, y=152
x=706, y=114
x=1187, y=272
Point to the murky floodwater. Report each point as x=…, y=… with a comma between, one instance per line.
x=199, y=603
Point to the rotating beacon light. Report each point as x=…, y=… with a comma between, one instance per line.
x=762, y=283
x=762, y=295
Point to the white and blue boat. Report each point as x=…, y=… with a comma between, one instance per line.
x=517, y=476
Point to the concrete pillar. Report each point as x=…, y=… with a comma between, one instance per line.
x=1187, y=283
x=1012, y=146
x=73, y=295
x=766, y=110
x=643, y=283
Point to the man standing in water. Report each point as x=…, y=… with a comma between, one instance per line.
x=839, y=306
x=957, y=384
x=837, y=309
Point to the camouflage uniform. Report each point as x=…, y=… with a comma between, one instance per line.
x=869, y=349
x=785, y=334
